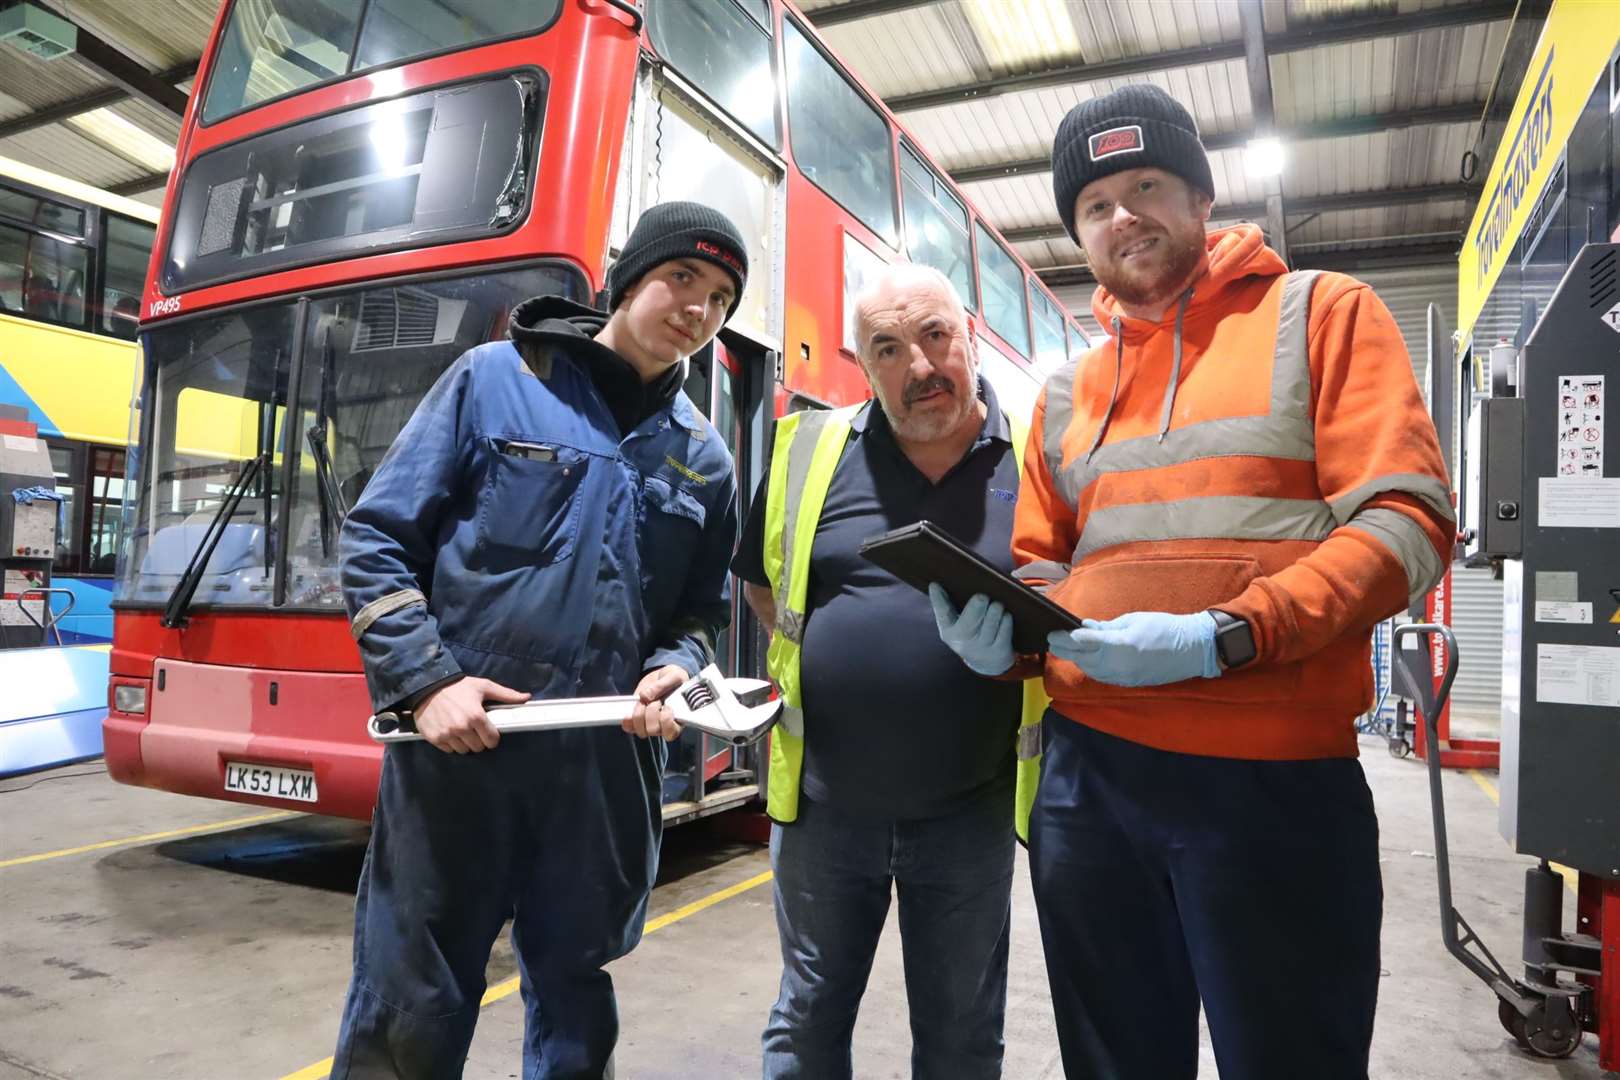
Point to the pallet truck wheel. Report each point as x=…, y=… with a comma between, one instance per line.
x=1546, y=1044
x=1399, y=748
x=1535, y=1039
x=1512, y=1023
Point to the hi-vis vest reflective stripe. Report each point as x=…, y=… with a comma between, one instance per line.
x=808, y=446
x=1286, y=432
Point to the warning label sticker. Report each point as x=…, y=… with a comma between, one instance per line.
x=1580, y=425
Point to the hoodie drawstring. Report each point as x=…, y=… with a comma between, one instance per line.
x=1113, y=396
x=1175, y=367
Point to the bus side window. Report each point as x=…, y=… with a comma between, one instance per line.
x=726, y=52
x=1079, y=340
x=126, y=248
x=1003, y=283
x=840, y=142
x=68, y=463
x=1050, y=349
x=936, y=225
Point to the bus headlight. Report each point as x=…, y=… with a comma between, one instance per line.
x=129, y=699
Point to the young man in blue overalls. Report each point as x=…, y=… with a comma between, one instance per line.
x=554, y=521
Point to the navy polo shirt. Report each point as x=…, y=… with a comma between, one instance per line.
x=896, y=726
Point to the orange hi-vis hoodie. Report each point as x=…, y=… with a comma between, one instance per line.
x=1263, y=450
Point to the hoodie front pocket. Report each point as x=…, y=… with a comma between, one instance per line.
x=1179, y=583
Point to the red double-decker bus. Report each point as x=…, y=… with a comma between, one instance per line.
x=364, y=189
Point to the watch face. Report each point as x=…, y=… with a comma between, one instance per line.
x=1235, y=643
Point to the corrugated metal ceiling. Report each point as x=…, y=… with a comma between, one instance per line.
x=1446, y=71
x=948, y=44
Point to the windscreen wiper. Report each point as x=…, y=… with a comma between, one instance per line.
x=333, y=508
x=174, y=613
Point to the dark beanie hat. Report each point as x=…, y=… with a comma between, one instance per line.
x=679, y=230
x=1135, y=127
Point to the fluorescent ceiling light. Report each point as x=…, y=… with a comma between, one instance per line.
x=125, y=139
x=1263, y=157
x=1023, y=33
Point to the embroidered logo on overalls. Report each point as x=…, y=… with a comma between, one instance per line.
x=695, y=477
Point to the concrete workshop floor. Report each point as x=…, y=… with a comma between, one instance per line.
x=163, y=936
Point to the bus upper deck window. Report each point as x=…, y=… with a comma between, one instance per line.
x=396, y=29
x=840, y=142
x=42, y=213
x=936, y=226
x=276, y=47
x=1051, y=352
x=1003, y=284
x=725, y=49
x=272, y=48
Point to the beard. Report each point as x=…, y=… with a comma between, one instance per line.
x=935, y=423
x=1157, y=278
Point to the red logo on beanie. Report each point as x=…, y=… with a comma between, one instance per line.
x=717, y=252
x=1118, y=140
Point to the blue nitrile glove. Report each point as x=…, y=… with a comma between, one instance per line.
x=981, y=634
x=1143, y=648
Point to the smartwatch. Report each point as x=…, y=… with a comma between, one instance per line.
x=1234, y=639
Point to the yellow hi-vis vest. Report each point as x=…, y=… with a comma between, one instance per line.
x=808, y=446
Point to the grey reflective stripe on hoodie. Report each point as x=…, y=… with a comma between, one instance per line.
x=1285, y=432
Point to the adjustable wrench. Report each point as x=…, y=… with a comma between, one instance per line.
x=736, y=710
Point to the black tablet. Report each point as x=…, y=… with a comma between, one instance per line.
x=922, y=553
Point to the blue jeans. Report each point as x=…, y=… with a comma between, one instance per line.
x=558, y=832
x=1163, y=879
x=834, y=875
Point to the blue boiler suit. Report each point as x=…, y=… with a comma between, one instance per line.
x=547, y=521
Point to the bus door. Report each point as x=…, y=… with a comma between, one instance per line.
x=729, y=381
x=682, y=145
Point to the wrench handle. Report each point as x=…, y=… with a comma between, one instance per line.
x=399, y=725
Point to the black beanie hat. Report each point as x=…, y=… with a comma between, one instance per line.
x=1135, y=127
x=679, y=230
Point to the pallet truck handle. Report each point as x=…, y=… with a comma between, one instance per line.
x=53, y=619
x=1488, y=969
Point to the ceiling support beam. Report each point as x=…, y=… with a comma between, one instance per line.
x=1316, y=204
x=1462, y=112
x=1441, y=251
x=1258, y=66
x=1483, y=11
x=850, y=10
x=140, y=185
x=63, y=110
x=111, y=64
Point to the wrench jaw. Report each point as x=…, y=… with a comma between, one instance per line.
x=715, y=705
x=392, y=726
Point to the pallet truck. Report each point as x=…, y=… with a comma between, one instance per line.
x=1546, y=1015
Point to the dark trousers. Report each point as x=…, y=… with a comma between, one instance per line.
x=1163, y=879
x=834, y=877
x=558, y=832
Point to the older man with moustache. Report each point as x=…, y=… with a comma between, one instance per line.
x=896, y=771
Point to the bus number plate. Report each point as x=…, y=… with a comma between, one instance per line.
x=270, y=781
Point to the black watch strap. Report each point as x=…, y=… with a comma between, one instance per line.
x=1234, y=639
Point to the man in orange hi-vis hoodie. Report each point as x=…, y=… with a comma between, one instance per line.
x=1230, y=492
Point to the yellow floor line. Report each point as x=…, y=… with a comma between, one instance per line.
x=321, y=1069
x=1572, y=878
x=190, y=830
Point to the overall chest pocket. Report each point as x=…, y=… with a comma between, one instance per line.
x=673, y=525
x=530, y=508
